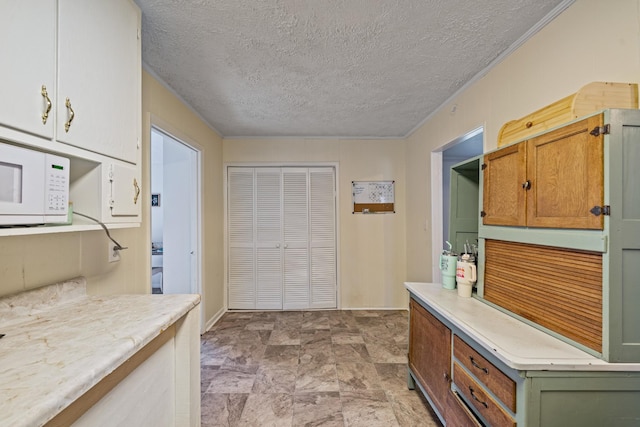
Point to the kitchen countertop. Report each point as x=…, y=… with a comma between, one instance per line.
x=59, y=343
x=517, y=344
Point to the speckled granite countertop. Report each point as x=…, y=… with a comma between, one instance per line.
x=59, y=343
x=517, y=344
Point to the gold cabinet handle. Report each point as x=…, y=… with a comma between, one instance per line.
x=45, y=95
x=136, y=188
x=72, y=114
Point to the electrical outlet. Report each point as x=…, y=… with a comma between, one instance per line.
x=114, y=256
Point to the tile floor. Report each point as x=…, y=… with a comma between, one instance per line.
x=309, y=368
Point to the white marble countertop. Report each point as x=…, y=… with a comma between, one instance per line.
x=52, y=354
x=517, y=344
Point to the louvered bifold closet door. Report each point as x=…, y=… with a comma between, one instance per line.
x=240, y=222
x=322, y=221
x=296, y=237
x=268, y=238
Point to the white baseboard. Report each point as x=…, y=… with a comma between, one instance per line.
x=214, y=319
x=406, y=308
x=222, y=311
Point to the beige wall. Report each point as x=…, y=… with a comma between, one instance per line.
x=592, y=40
x=372, y=247
x=162, y=109
x=28, y=262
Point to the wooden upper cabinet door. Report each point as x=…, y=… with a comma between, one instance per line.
x=565, y=168
x=504, y=197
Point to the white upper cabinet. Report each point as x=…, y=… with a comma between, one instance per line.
x=70, y=84
x=124, y=191
x=99, y=68
x=27, y=74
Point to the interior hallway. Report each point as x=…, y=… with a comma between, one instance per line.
x=309, y=368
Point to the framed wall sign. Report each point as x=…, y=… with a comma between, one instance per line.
x=373, y=196
x=155, y=200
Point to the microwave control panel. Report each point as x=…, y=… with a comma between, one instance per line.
x=57, y=185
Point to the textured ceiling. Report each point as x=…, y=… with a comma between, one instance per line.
x=328, y=68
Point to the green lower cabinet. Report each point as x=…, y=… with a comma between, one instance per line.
x=581, y=399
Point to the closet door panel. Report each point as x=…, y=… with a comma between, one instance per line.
x=281, y=238
x=323, y=238
x=240, y=223
x=295, y=222
x=242, y=293
x=269, y=279
x=268, y=238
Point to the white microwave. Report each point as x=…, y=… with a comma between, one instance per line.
x=34, y=187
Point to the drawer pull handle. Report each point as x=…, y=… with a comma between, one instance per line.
x=475, y=365
x=45, y=95
x=72, y=114
x=472, y=391
x=136, y=189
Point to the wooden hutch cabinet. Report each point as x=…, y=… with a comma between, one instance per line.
x=554, y=314
x=552, y=180
x=573, y=269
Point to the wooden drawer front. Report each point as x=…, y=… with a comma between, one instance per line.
x=493, y=378
x=458, y=414
x=486, y=406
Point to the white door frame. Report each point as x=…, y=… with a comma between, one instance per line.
x=437, y=199
x=165, y=128
x=226, y=166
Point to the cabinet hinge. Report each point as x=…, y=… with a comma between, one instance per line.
x=484, y=166
x=601, y=210
x=601, y=130
x=483, y=214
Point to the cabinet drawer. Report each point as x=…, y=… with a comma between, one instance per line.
x=484, y=404
x=459, y=414
x=493, y=378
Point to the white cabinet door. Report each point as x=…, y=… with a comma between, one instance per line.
x=268, y=238
x=296, y=237
x=241, y=238
x=125, y=190
x=322, y=222
x=99, y=74
x=27, y=52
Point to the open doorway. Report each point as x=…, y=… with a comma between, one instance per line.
x=175, y=215
x=443, y=158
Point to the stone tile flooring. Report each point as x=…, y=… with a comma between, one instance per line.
x=309, y=368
